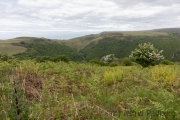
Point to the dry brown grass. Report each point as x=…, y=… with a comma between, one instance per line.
x=30, y=84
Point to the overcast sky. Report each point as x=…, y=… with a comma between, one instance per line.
x=64, y=19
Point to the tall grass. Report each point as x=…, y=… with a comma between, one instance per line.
x=164, y=74
x=84, y=91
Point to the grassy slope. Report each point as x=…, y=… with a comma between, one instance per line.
x=81, y=42
x=16, y=40
x=8, y=47
x=144, y=33
x=83, y=91
x=169, y=30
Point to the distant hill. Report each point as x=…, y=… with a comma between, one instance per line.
x=81, y=42
x=121, y=43
x=31, y=47
x=88, y=47
x=122, y=46
x=175, y=31
x=36, y=47
x=9, y=47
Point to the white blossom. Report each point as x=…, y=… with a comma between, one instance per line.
x=108, y=58
x=146, y=52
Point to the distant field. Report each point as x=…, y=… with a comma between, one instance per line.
x=80, y=42
x=20, y=39
x=7, y=48
x=144, y=33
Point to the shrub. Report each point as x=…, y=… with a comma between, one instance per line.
x=43, y=58
x=118, y=74
x=146, y=54
x=126, y=62
x=98, y=62
x=113, y=64
x=166, y=62
x=63, y=58
x=5, y=57
x=108, y=58
x=111, y=77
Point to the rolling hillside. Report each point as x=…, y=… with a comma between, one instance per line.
x=81, y=42
x=88, y=47
x=175, y=31
x=122, y=45
x=12, y=46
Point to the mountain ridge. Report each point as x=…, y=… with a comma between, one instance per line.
x=120, y=43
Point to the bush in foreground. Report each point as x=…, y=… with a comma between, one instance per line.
x=146, y=54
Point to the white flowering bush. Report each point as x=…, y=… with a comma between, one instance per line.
x=108, y=58
x=146, y=54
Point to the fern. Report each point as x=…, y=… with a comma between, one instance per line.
x=19, y=108
x=158, y=106
x=165, y=74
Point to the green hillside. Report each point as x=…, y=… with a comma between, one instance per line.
x=123, y=46
x=175, y=31
x=80, y=42
x=122, y=43
x=47, y=48
x=12, y=46
x=88, y=47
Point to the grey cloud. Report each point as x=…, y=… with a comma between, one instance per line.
x=151, y=2
x=78, y=17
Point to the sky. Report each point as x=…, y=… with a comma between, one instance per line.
x=65, y=19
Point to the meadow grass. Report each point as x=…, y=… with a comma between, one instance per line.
x=8, y=48
x=144, y=33
x=84, y=91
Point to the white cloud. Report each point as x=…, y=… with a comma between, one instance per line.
x=85, y=16
x=39, y=3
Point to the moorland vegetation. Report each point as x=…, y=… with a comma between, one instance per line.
x=92, y=77
x=49, y=89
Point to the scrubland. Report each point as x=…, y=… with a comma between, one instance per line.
x=70, y=91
